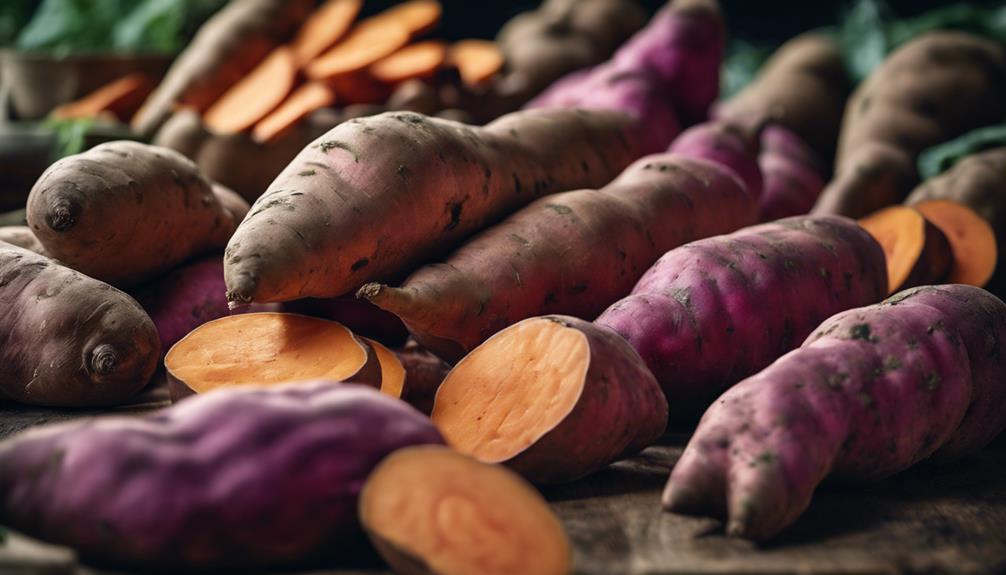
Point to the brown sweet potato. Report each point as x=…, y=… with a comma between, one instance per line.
x=376, y=196
x=545, y=258
x=934, y=88
x=124, y=212
x=66, y=339
x=21, y=237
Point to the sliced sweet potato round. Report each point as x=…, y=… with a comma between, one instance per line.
x=267, y=349
x=476, y=60
x=417, y=60
x=553, y=397
x=255, y=96
x=972, y=240
x=368, y=42
x=418, y=16
x=433, y=510
x=392, y=370
x=917, y=252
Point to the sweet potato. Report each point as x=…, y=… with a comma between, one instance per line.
x=668, y=70
x=121, y=99
x=792, y=174
x=376, y=196
x=360, y=316
x=392, y=369
x=267, y=349
x=66, y=339
x=301, y=103
x=21, y=237
x=226, y=48
x=237, y=479
x=462, y=517
x=803, y=87
x=124, y=212
x=933, y=88
x=324, y=27
x=715, y=311
x=424, y=372
x=476, y=60
x=870, y=393
x=734, y=146
x=255, y=96
x=554, y=398
x=917, y=252
x=417, y=60
x=561, y=36
x=367, y=43
x=545, y=258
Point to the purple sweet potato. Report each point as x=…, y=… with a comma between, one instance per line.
x=66, y=339
x=239, y=478
x=792, y=173
x=732, y=145
x=545, y=258
x=873, y=391
x=715, y=311
x=668, y=70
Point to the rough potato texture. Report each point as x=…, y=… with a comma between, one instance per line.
x=561, y=36
x=238, y=478
x=670, y=69
x=733, y=146
x=66, y=339
x=712, y=312
x=375, y=197
x=934, y=88
x=226, y=48
x=124, y=212
x=545, y=258
x=871, y=392
x=803, y=87
x=792, y=175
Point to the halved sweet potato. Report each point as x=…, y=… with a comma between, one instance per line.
x=255, y=96
x=417, y=60
x=553, y=397
x=917, y=252
x=392, y=370
x=431, y=510
x=972, y=240
x=266, y=349
x=368, y=42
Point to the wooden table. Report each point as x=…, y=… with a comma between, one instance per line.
x=947, y=519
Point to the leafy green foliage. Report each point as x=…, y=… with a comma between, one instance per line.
x=941, y=158
x=742, y=63
x=71, y=135
x=74, y=26
x=14, y=14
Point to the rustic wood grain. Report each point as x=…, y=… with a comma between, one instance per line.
x=930, y=520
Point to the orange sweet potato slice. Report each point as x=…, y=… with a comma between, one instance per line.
x=418, y=16
x=392, y=370
x=268, y=349
x=368, y=42
x=476, y=60
x=324, y=28
x=255, y=96
x=413, y=61
x=917, y=252
x=429, y=509
x=302, y=103
x=121, y=98
x=972, y=240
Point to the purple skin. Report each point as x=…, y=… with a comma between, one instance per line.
x=871, y=392
x=793, y=177
x=729, y=145
x=237, y=478
x=187, y=297
x=715, y=311
x=360, y=316
x=675, y=59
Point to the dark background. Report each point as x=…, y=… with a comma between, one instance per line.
x=762, y=21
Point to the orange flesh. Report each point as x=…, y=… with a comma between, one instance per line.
x=513, y=389
x=971, y=238
x=325, y=26
x=299, y=105
x=368, y=42
x=476, y=60
x=414, y=61
x=460, y=516
x=901, y=231
x=418, y=16
x=392, y=370
x=255, y=96
x=105, y=98
x=264, y=349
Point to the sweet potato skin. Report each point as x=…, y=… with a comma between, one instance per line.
x=934, y=88
x=376, y=196
x=160, y=210
x=715, y=311
x=792, y=174
x=279, y=470
x=734, y=146
x=21, y=237
x=871, y=392
x=544, y=258
x=67, y=340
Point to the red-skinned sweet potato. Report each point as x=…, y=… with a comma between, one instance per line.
x=68, y=340
x=715, y=311
x=554, y=398
x=375, y=197
x=544, y=259
x=871, y=392
x=792, y=174
x=734, y=146
x=242, y=478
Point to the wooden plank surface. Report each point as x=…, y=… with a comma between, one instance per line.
x=946, y=519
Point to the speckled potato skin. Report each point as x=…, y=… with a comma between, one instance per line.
x=712, y=312
x=731, y=145
x=873, y=391
x=124, y=212
x=376, y=197
x=67, y=340
x=238, y=478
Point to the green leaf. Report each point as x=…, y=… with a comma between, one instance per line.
x=14, y=14
x=70, y=135
x=154, y=26
x=938, y=159
x=742, y=63
x=863, y=38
